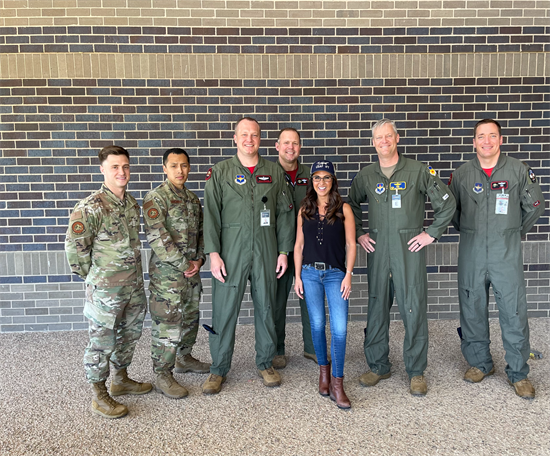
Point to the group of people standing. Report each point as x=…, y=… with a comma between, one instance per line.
x=251, y=210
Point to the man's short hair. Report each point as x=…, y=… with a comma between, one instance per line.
x=112, y=150
x=289, y=129
x=383, y=122
x=486, y=121
x=247, y=118
x=177, y=151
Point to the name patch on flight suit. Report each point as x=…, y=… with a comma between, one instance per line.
x=302, y=181
x=398, y=185
x=380, y=188
x=478, y=188
x=499, y=185
x=240, y=179
x=263, y=179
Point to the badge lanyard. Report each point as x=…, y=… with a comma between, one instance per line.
x=265, y=219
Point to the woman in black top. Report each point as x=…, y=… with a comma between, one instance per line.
x=324, y=255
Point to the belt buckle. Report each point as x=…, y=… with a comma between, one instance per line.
x=320, y=266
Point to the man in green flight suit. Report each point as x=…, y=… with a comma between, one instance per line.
x=174, y=227
x=297, y=175
x=103, y=247
x=498, y=201
x=249, y=229
x=396, y=188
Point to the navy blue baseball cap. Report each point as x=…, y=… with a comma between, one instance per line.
x=323, y=165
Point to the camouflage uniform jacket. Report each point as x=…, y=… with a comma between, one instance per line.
x=102, y=243
x=173, y=224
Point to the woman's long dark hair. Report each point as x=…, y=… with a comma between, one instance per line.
x=334, y=206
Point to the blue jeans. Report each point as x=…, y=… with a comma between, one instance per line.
x=316, y=285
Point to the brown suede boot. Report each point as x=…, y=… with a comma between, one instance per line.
x=324, y=380
x=338, y=394
x=105, y=405
x=121, y=384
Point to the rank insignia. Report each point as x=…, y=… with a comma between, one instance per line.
x=380, y=189
x=263, y=179
x=153, y=213
x=499, y=185
x=239, y=179
x=208, y=174
x=398, y=185
x=432, y=171
x=302, y=181
x=78, y=228
x=478, y=188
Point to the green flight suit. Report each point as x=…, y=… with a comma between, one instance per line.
x=392, y=268
x=103, y=247
x=232, y=227
x=174, y=227
x=284, y=284
x=490, y=254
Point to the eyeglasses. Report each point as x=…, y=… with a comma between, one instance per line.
x=324, y=178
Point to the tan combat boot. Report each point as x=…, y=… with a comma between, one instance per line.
x=121, y=384
x=105, y=405
x=167, y=385
x=187, y=363
x=271, y=377
x=213, y=384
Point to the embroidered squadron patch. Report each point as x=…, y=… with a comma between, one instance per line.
x=302, y=181
x=263, y=179
x=398, y=185
x=478, y=187
x=532, y=176
x=239, y=179
x=208, y=174
x=153, y=213
x=432, y=171
x=380, y=188
x=499, y=185
x=78, y=228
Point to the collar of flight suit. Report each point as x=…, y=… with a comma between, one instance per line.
x=500, y=163
x=259, y=165
x=301, y=170
x=400, y=164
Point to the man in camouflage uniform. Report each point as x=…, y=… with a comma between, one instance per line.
x=103, y=248
x=297, y=175
x=173, y=224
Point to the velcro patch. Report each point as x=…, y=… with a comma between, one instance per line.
x=78, y=228
x=536, y=203
x=265, y=179
x=175, y=201
x=153, y=213
x=302, y=181
x=499, y=185
x=450, y=179
x=432, y=171
x=208, y=174
x=148, y=204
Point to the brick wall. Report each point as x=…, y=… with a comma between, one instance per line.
x=149, y=75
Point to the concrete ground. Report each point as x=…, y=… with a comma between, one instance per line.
x=46, y=403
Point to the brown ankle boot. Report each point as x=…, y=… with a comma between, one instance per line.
x=324, y=380
x=338, y=394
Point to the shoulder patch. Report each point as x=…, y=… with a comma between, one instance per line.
x=78, y=228
x=153, y=213
x=450, y=179
x=148, y=204
x=76, y=215
x=208, y=174
x=432, y=171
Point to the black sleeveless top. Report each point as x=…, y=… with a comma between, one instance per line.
x=324, y=242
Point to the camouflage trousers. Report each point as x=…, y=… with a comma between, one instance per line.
x=115, y=323
x=175, y=322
